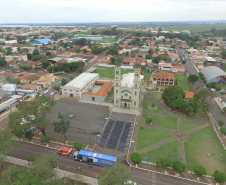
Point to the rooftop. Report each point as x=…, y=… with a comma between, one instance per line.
x=127, y=80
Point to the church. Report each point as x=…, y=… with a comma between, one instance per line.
x=128, y=89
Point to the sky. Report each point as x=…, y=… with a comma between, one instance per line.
x=79, y=11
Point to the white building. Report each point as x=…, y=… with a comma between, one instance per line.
x=83, y=83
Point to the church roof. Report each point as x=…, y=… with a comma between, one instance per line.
x=127, y=80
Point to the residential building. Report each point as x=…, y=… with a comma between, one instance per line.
x=162, y=78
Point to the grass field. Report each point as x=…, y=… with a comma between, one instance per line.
x=166, y=151
x=183, y=82
x=147, y=106
x=169, y=123
x=110, y=98
x=109, y=72
x=189, y=125
x=148, y=137
x=147, y=76
x=202, y=143
x=223, y=87
x=196, y=28
x=158, y=95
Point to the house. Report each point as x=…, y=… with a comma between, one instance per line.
x=174, y=57
x=162, y=78
x=29, y=79
x=34, y=87
x=188, y=95
x=109, y=57
x=178, y=69
x=102, y=61
x=164, y=66
x=129, y=61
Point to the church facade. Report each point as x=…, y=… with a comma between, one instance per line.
x=128, y=89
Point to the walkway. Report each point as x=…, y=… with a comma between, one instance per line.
x=176, y=135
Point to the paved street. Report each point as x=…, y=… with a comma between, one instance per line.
x=24, y=150
x=86, y=123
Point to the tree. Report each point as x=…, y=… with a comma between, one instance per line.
x=224, y=109
x=48, y=54
x=148, y=120
x=3, y=62
x=218, y=88
x=29, y=135
x=78, y=146
x=80, y=70
x=35, y=52
x=56, y=88
x=220, y=122
x=45, y=64
x=62, y=125
x=219, y=176
x=205, y=63
x=184, y=61
x=199, y=170
x=32, y=113
x=178, y=166
x=193, y=78
x=29, y=56
x=163, y=163
x=84, y=51
x=174, y=96
x=64, y=81
x=116, y=175
x=71, y=77
x=135, y=157
x=191, y=106
x=21, y=39
x=223, y=54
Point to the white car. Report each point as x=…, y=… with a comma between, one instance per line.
x=130, y=182
x=52, y=93
x=41, y=94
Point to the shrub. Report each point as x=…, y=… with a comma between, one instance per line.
x=135, y=157
x=148, y=120
x=80, y=70
x=219, y=176
x=224, y=109
x=220, y=122
x=44, y=139
x=31, y=158
x=78, y=146
x=199, y=170
x=29, y=135
x=223, y=131
x=178, y=166
x=163, y=163
x=218, y=88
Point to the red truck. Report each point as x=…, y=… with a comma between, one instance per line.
x=65, y=151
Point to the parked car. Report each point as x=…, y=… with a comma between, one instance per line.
x=41, y=94
x=52, y=93
x=130, y=182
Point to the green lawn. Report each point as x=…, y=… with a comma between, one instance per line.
x=169, y=150
x=148, y=137
x=196, y=28
x=158, y=95
x=151, y=106
x=189, y=125
x=110, y=98
x=183, y=82
x=147, y=76
x=109, y=72
x=202, y=143
x=169, y=123
x=223, y=87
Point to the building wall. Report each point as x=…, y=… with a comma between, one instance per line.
x=89, y=98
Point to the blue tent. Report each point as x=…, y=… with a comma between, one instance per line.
x=41, y=41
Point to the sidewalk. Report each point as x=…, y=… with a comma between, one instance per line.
x=60, y=173
x=219, y=103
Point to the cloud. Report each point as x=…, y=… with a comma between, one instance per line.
x=46, y=11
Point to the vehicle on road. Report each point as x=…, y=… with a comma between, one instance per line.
x=41, y=94
x=65, y=151
x=94, y=158
x=52, y=93
x=130, y=182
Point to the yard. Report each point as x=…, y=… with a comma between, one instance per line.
x=110, y=98
x=166, y=151
x=183, y=82
x=169, y=123
x=148, y=137
x=109, y=72
x=189, y=125
x=202, y=143
x=147, y=76
x=151, y=106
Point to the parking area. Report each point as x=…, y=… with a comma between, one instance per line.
x=85, y=124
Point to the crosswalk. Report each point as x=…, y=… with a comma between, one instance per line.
x=153, y=179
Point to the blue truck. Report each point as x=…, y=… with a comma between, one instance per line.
x=94, y=158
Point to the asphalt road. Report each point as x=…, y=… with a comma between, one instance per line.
x=24, y=150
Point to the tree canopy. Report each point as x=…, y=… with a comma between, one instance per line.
x=174, y=96
x=193, y=78
x=116, y=175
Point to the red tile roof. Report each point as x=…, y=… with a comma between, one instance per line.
x=129, y=60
